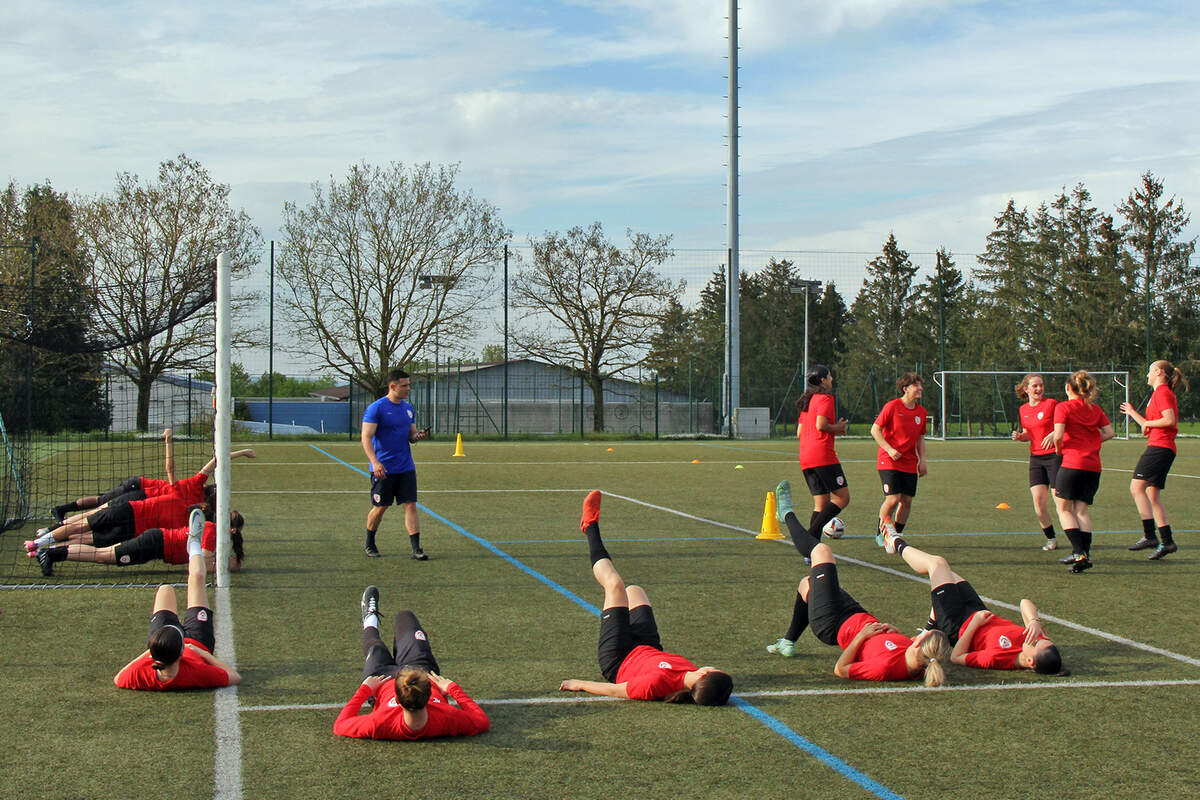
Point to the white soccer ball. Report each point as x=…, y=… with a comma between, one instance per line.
x=835, y=528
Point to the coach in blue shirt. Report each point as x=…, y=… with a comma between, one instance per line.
x=389, y=430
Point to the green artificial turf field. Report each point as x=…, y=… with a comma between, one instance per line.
x=509, y=604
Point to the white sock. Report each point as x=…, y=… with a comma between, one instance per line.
x=194, y=548
x=44, y=539
x=371, y=621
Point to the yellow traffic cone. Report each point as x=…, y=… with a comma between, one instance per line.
x=458, y=451
x=770, y=525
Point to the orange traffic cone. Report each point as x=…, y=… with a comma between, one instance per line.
x=1003, y=506
x=458, y=451
x=770, y=525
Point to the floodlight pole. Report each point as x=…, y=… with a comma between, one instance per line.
x=733, y=365
x=796, y=287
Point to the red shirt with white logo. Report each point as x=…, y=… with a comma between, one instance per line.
x=169, y=510
x=881, y=657
x=1162, y=399
x=386, y=719
x=816, y=447
x=194, y=673
x=650, y=674
x=902, y=428
x=1081, y=438
x=996, y=644
x=1038, y=422
x=175, y=543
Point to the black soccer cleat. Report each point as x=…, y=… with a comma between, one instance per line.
x=369, y=549
x=45, y=561
x=419, y=555
x=1163, y=551
x=1080, y=564
x=370, y=602
x=1145, y=543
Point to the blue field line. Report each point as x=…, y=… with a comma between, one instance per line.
x=827, y=758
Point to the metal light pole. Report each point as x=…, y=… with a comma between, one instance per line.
x=804, y=287
x=427, y=282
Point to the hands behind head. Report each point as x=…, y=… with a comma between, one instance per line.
x=439, y=681
x=375, y=681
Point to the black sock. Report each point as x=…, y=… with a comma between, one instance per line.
x=370, y=538
x=61, y=511
x=900, y=527
x=1049, y=531
x=414, y=539
x=930, y=624
x=804, y=543
x=596, y=550
x=820, y=519
x=799, y=619
x=1167, y=536
x=1148, y=528
x=1075, y=536
x=53, y=526
x=57, y=554
x=1086, y=538
x=899, y=544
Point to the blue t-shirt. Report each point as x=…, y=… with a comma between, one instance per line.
x=393, y=422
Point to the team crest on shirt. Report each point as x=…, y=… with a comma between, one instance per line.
x=410, y=413
x=1005, y=642
x=1041, y=414
x=202, y=615
x=664, y=665
x=419, y=636
x=393, y=703
x=889, y=644
x=916, y=419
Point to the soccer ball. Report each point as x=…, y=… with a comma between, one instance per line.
x=835, y=528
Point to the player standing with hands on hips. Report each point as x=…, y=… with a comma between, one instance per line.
x=899, y=430
x=389, y=430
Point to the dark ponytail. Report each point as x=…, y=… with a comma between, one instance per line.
x=816, y=374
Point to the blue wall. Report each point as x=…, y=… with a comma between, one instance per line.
x=329, y=417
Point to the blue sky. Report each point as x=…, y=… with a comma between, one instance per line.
x=859, y=117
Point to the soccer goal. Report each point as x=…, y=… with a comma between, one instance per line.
x=982, y=404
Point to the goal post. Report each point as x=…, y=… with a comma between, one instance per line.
x=982, y=404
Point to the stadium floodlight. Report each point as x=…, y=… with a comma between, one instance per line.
x=986, y=398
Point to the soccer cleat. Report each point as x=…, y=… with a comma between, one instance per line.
x=885, y=527
x=60, y=512
x=1051, y=544
x=783, y=647
x=195, y=526
x=591, y=509
x=1080, y=564
x=370, y=602
x=1163, y=551
x=783, y=499
x=45, y=562
x=419, y=555
x=369, y=549
x=1145, y=543
x=30, y=547
x=891, y=540
x=1067, y=559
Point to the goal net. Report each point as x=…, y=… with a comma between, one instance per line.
x=982, y=404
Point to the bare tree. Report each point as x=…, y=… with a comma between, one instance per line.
x=604, y=304
x=382, y=262
x=154, y=247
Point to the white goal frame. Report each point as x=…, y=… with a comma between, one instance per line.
x=1119, y=377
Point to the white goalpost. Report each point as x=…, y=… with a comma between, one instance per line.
x=223, y=420
x=982, y=404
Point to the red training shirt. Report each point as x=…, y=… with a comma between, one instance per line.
x=194, y=673
x=651, y=674
x=169, y=510
x=153, y=487
x=996, y=644
x=881, y=657
x=386, y=719
x=902, y=427
x=1081, y=439
x=175, y=543
x=816, y=447
x=1162, y=399
x=1038, y=422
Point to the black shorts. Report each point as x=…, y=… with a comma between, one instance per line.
x=140, y=549
x=411, y=645
x=621, y=630
x=130, y=489
x=826, y=479
x=391, y=489
x=197, y=625
x=829, y=605
x=953, y=604
x=112, y=525
x=1044, y=469
x=1077, y=484
x=1154, y=465
x=896, y=482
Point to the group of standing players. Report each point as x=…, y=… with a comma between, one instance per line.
x=407, y=698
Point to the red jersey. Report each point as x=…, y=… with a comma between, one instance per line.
x=881, y=657
x=650, y=674
x=1081, y=440
x=190, y=490
x=386, y=719
x=996, y=644
x=175, y=543
x=194, y=673
x=902, y=428
x=1162, y=399
x=816, y=447
x=153, y=487
x=1038, y=422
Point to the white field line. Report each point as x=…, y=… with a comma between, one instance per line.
x=921, y=579
x=980, y=687
x=227, y=766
